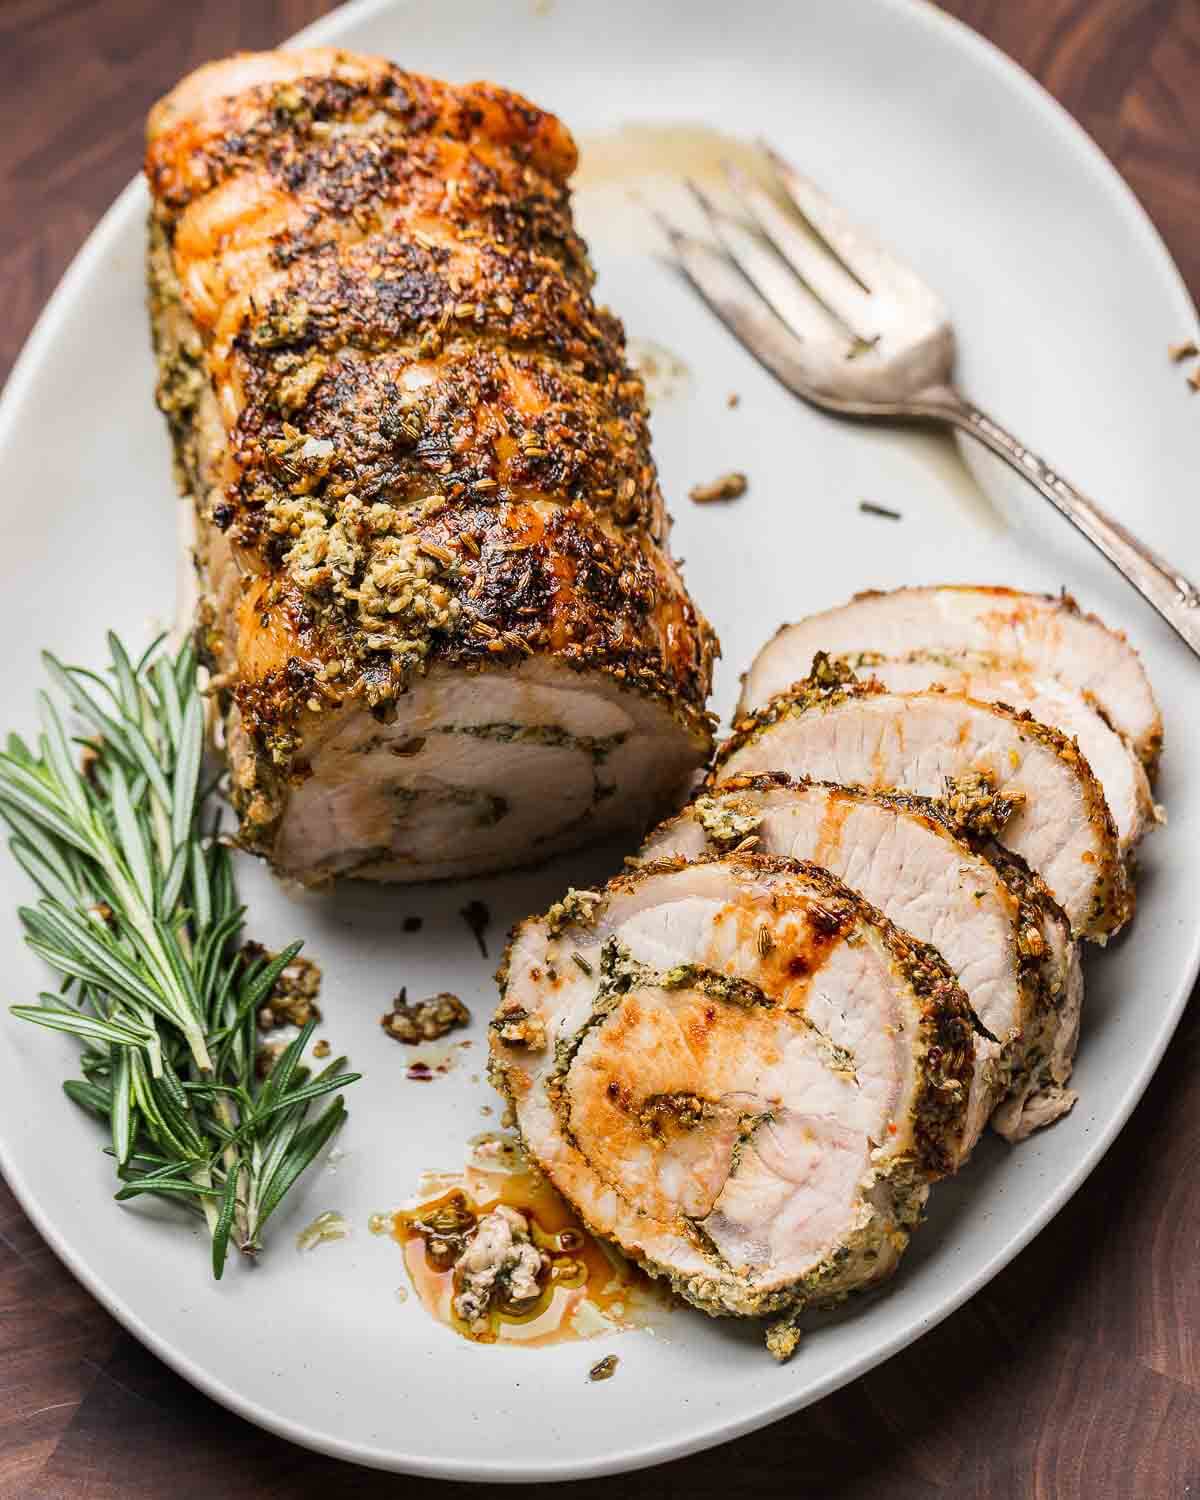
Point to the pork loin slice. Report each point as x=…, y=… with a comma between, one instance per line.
x=1001, y=771
x=1051, y=701
x=476, y=772
x=740, y=1072
x=438, y=597
x=1050, y=634
x=1038, y=1093
x=993, y=922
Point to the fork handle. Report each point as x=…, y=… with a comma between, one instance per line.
x=1172, y=594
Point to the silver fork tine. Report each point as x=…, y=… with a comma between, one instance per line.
x=858, y=252
x=804, y=314
x=910, y=372
x=740, y=308
x=836, y=289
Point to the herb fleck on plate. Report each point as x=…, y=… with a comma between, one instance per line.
x=869, y=508
x=476, y=915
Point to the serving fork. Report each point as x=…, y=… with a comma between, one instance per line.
x=844, y=324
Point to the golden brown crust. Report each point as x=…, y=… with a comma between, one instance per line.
x=432, y=448
x=231, y=113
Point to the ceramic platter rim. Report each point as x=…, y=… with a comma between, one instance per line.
x=681, y=1430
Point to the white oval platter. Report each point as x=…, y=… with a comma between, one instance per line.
x=1065, y=300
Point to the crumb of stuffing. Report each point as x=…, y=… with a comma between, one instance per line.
x=727, y=487
x=975, y=806
x=518, y=1028
x=293, y=998
x=425, y=1020
x=500, y=1264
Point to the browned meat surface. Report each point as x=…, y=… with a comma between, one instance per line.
x=437, y=590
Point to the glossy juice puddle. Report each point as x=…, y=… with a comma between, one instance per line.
x=324, y=1230
x=431, y=1060
x=589, y=1290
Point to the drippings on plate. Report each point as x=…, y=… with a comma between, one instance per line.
x=495, y=1254
x=323, y=1230
x=432, y=1061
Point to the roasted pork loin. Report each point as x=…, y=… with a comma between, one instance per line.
x=741, y=1072
x=990, y=918
x=445, y=626
x=1038, y=636
x=997, y=772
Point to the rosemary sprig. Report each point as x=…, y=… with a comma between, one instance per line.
x=138, y=912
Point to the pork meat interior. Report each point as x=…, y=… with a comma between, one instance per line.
x=993, y=921
x=996, y=770
x=1049, y=700
x=740, y=1072
x=1049, y=636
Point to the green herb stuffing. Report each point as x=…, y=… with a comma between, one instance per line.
x=138, y=912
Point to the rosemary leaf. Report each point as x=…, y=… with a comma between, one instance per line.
x=220, y=1238
x=89, y=1096
x=138, y=911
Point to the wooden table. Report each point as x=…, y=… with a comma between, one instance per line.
x=1077, y=1372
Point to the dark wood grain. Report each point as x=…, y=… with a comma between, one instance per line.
x=1076, y=1373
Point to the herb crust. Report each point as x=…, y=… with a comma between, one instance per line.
x=403, y=419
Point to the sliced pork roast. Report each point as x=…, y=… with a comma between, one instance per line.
x=445, y=625
x=998, y=771
x=1050, y=701
x=1049, y=636
x=991, y=919
x=740, y=1072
